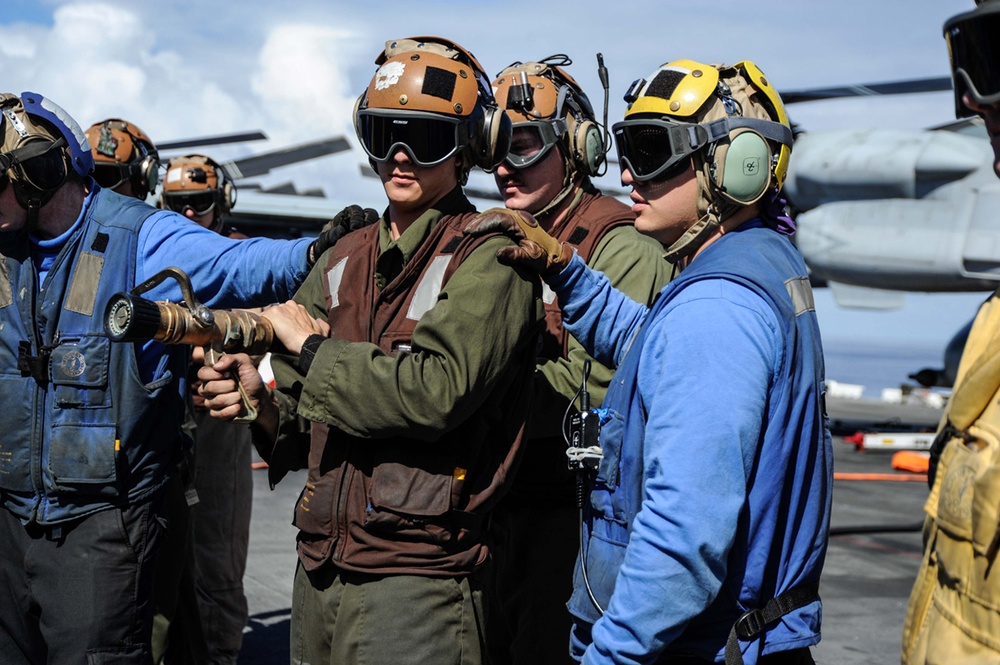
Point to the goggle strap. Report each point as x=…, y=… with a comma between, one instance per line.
x=970, y=87
x=21, y=155
x=717, y=130
x=769, y=129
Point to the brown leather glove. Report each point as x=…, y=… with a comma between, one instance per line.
x=535, y=248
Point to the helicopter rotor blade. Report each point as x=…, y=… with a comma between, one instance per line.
x=255, y=165
x=935, y=84
x=219, y=139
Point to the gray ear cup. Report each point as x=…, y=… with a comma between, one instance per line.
x=148, y=175
x=588, y=147
x=746, y=169
x=228, y=197
x=354, y=114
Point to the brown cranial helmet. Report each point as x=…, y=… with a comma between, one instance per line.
x=542, y=97
x=431, y=98
x=123, y=153
x=197, y=182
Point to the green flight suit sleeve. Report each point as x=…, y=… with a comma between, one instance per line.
x=462, y=349
x=290, y=450
x=635, y=265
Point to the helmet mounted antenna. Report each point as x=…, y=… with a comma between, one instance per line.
x=602, y=73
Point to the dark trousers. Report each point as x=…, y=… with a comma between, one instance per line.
x=531, y=579
x=178, y=637
x=221, y=534
x=79, y=594
x=201, y=606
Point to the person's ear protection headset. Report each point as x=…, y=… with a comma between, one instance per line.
x=200, y=183
x=430, y=97
x=655, y=143
x=123, y=152
x=973, y=40
x=41, y=145
x=542, y=97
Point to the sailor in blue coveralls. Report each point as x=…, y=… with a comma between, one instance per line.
x=90, y=430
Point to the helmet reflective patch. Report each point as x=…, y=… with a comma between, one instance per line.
x=68, y=122
x=107, y=144
x=15, y=122
x=389, y=74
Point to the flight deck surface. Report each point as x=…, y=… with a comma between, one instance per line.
x=874, y=554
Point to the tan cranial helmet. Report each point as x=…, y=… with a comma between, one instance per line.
x=42, y=146
x=542, y=97
x=728, y=120
x=123, y=152
x=431, y=98
x=199, y=183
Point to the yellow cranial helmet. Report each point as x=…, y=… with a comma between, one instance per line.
x=544, y=98
x=689, y=108
x=431, y=98
x=726, y=122
x=123, y=152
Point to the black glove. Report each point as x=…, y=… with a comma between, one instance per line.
x=349, y=219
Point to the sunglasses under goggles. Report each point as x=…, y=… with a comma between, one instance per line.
x=427, y=138
x=526, y=152
x=975, y=56
x=40, y=164
x=201, y=203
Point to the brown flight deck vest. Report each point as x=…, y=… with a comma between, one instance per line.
x=584, y=227
x=403, y=505
x=954, y=611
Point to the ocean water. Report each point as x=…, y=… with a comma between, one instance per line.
x=877, y=365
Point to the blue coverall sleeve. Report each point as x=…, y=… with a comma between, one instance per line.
x=704, y=375
x=599, y=316
x=224, y=272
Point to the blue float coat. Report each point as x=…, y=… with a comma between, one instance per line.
x=717, y=495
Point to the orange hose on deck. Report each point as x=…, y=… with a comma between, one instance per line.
x=898, y=477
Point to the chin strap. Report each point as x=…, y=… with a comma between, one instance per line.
x=569, y=185
x=714, y=211
x=692, y=239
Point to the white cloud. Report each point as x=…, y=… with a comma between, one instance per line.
x=301, y=80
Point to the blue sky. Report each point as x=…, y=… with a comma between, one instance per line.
x=184, y=68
